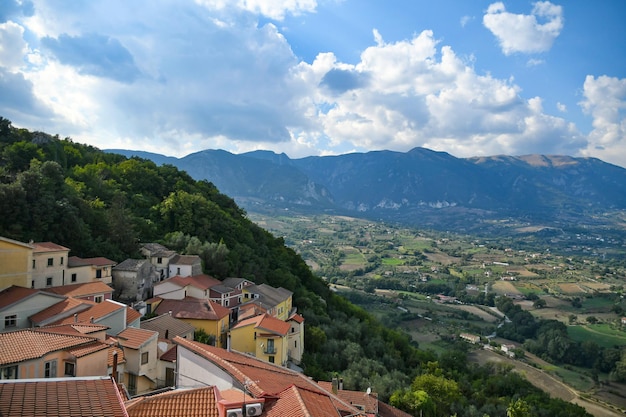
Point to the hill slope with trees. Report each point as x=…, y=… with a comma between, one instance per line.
x=104, y=204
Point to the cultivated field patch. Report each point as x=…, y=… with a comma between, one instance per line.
x=570, y=288
x=505, y=287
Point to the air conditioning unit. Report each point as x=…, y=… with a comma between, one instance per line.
x=254, y=409
x=234, y=412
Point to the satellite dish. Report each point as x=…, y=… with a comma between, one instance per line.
x=369, y=390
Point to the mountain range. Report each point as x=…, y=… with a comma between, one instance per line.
x=420, y=187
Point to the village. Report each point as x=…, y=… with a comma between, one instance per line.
x=94, y=337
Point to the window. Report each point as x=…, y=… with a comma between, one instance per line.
x=50, y=369
x=10, y=321
x=270, y=359
x=225, y=303
x=61, y=260
x=32, y=284
x=9, y=372
x=98, y=298
x=132, y=384
x=33, y=264
x=270, y=346
x=73, y=277
x=144, y=358
x=177, y=271
x=70, y=369
x=50, y=261
x=98, y=273
x=159, y=260
x=49, y=282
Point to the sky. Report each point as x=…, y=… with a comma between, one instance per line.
x=320, y=77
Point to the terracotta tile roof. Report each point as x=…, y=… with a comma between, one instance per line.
x=135, y=338
x=166, y=324
x=296, y=401
x=28, y=344
x=202, y=282
x=130, y=265
x=170, y=355
x=297, y=318
x=60, y=310
x=88, y=349
x=193, y=308
x=81, y=290
x=198, y=402
x=267, y=380
x=132, y=315
x=97, y=311
x=75, y=261
x=61, y=397
x=73, y=328
x=13, y=294
x=48, y=247
x=267, y=323
x=369, y=402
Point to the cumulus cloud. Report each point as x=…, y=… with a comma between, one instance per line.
x=605, y=101
x=418, y=94
x=12, y=46
x=273, y=9
x=531, y=33
x=94, y=54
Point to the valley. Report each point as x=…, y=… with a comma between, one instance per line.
x=436, y=285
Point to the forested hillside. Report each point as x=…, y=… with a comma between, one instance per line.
x=102, y=204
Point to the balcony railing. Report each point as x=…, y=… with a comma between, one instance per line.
x=270, y=350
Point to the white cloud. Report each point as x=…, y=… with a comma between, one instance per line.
x=561, y=107
x=465, y=20
x=532, y=33
x=274, y=9
x=13, y=47
x=605, y=101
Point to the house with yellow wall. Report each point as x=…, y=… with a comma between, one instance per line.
x=16, y=259
x=140, y=352
x=262, y=336
x=200, y=313
x=277, y=302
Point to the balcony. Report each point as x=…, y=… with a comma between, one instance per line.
x=269, y=350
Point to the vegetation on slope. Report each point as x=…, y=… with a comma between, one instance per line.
x=101, y=204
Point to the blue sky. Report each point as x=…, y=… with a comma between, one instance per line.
x=320, y=77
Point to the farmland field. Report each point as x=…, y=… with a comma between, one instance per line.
x=602, y=334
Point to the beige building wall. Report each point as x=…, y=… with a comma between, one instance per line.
x=49, y=269
x=16, y=260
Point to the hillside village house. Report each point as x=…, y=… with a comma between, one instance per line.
x=39, y=354
x=263, y=336
x=185, y=265
x=93, y=291
x=47, y=264
x=263, y=298
x=140, y=352
x=295, y=338
x=200, y=313
x=17, y=304
x=16, y=260
x=160, y=257
x=133, y=279
x=89, y=270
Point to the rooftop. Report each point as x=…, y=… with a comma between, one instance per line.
x=265, y=322
x=167, y=325
x=61, y=397
x=135, y=338
x=199, y=402
x=40, y=247
x=22, y=345
x=193, y=308
x=81, y=290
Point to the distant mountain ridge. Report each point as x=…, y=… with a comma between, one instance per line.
x=420, y=186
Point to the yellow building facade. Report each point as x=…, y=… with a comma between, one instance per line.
x=16, y=259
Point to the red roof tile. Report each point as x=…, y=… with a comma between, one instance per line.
x=88, y=349
x=203, y=281
x=77, y=329
x=48, y=247
x=96, y=311
x=297, y=318
x=132, y=315
x=193, y=308
x=135, y=338
x=199, y=402
x=170, y=355
x=268, y=380
x=28, y=344
x=14, y=294
x=81, y=290
x=62, y=309
x=267, y=323
x=61, y=397
x=369, y=402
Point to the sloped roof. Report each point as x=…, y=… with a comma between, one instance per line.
x=64, y=308
x=88, y=349
x=81, y=290
x=198, y=402
x=268, y=294
x=120, y=355
x=193, y=308
x=73, y=328
x=130, y=265
x=39, y=247
x=202, y=281
x=186, y=260
x=132, y=315
x=297, y=318
x=301, y=402
x=61, y=397
x=135, y=338
x=267, y=323
x=368, y=401
x=167, y=324
x=170, y=355
x=22, y=345
x=96, y=311
x=15, y=294
x=233, y=282
x=75, y=261
x=268, y=380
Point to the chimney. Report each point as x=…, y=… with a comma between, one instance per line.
x=340, y=384
x=91, y=319
x=170, y=313
x=75, y=317
x=114, y=371
x=335, y=385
